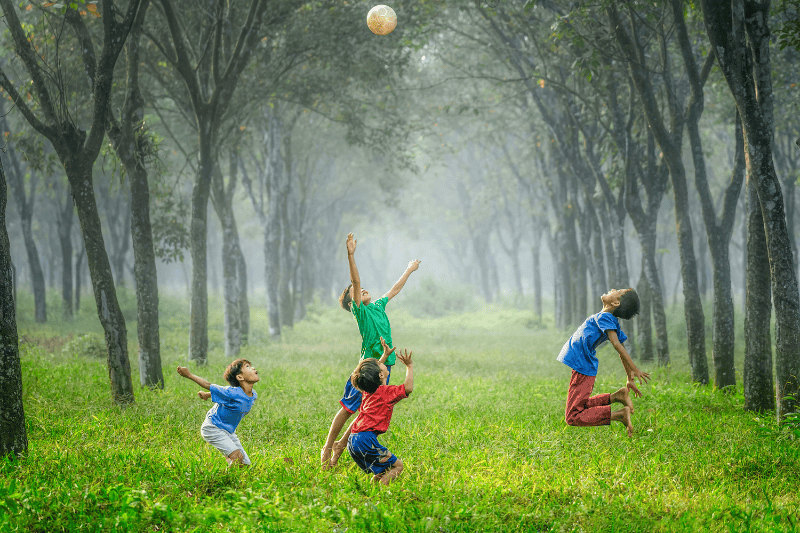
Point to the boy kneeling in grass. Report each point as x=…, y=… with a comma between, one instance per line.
x=375, y=414
x=579, y=353
x=230, y=405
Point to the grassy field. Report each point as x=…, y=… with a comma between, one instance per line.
x=483, y=439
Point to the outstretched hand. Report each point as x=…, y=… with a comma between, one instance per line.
x=204, y=395
x=351, y=244
x=634, y=389
x=386, y=351
x=413, y=264
x=405, y=357
x=183, y=371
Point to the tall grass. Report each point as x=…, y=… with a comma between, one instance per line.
x=482, y=436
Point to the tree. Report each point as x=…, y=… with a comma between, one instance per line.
x=77, y=150
x=13, y=438
x=739, y=32
x=25, y=202
x=669, y=140
x=210, y=76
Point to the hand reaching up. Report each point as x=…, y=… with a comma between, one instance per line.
x=405, y=357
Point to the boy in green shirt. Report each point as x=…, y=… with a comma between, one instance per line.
x=373, y=324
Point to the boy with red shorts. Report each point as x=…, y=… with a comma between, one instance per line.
x=579, y=353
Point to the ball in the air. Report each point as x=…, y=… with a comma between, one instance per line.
x=381, y=20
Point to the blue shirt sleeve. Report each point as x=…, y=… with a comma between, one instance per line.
x=220, y=394
x=607, y=321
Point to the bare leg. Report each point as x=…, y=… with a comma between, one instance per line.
x=336, y=426
x=624, y=416
x=236, y=457
x=623, y=396
x=340, y=445
x=387, y=476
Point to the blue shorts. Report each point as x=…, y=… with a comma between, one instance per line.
x=369, y=454
x=351, y=399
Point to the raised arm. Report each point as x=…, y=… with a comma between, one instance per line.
x=405, y=357
x=351, y=260
x=386, y=351
x=631, y=369
x=183, y=371
x=412, y=266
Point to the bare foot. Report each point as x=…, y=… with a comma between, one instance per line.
x=623, y=396
x=626, y=419
x=325, y=457
x=338, y=450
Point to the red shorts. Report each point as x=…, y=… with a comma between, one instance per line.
x=584, y=409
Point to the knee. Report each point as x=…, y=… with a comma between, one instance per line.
x=236, y=456
x=398, y=465
x=571, y=418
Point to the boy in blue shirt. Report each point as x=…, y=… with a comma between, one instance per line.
x=373, y=324
x=579, y=353
x=230, y=405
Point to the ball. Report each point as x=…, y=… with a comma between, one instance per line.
x=381, y=20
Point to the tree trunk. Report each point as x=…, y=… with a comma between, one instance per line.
x=747, y=70
x=759, y=394
x=105, y=294
x=16, y=180
x=643, y=321
x=144, y=267
x=79, y=279
x=13, y=436
x=537, y=272
x=198, y=334
x=65, y=239
x=244, y=304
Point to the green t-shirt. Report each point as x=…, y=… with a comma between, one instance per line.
x=373, y=324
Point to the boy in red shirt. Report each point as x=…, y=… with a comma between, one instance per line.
x=375, y=414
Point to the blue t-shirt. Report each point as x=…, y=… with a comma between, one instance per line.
x=579, y=351
x=230, y=406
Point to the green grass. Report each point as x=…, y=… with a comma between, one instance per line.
x=483, y=439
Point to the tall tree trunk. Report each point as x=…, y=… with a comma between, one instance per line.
x=105, y=294
x=759, y=393
x=643, y=320
x=537, y=272
x=79, y=278
x=66, y=216
x=244, y=304
x=16, y=179
x=198, y=327
x=13, y=437
x=129, y=137
x=670, y=143
x=750, y=84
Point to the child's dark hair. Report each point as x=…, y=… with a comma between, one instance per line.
x=345, y=299
x=628, y=305
x=233, y=370
x=367, y=375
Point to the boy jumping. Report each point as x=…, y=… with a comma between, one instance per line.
x=373, y=324
x=579, y=353
x=230, y=405
x=375, y=414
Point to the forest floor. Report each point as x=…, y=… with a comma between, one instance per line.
x=482, y=436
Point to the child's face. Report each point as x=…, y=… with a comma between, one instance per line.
x=611, y=298
x=365, y=296
x=248, y=374
x=384, y=373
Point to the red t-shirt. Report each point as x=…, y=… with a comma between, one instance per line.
x=376, y=409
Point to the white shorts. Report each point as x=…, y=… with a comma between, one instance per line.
x=220, y=439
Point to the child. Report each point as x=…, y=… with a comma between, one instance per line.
x=578, y=353
x=370, y=377
x=373, y=324
x=230, y=405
